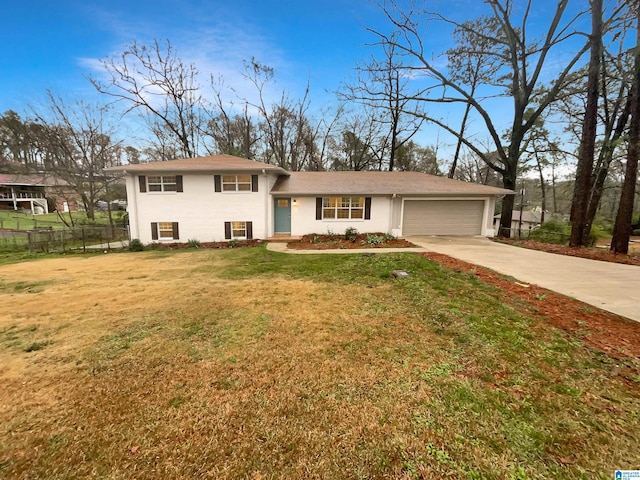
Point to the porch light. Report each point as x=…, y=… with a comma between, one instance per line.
x=295, y=201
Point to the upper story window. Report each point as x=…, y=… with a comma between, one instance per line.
x=162, y=183
x=343, y=208
x=236, y=183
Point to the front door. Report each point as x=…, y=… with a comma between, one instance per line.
x=282, y=215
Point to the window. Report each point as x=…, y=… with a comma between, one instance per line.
x=236, y=183
x=164, y=231
x=238, y=230
x=162, y=183
x=342, y=208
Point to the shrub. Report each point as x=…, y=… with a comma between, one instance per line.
x=193, y=243
x=375, y=239
x=552, y=232
x=135, y=245
x=389, y=237
x=351, y=234
x=233, y=243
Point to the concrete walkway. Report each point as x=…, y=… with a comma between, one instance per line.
x=609, y=286
x=282, y=247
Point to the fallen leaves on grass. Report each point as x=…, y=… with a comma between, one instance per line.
x=611, y=333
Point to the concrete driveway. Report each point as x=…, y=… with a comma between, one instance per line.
x=609, y=286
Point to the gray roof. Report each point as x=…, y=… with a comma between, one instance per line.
x=39, y=180
x=378, y=183
x=212, y=163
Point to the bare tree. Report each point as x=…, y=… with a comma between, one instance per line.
x=587, y=144
x=468, y=65
x=156, y=82
x=77, y=147
x=622, y=227
x=521, y=62
x=381, y=85
x=286, y=130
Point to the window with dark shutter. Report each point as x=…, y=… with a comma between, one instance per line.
x=254, y=183
x=319, y=208
x=367, y=208
x=217, y=183
x=142, y=180
x=176, y=234
x=179, y=183
x=249, y=230
x=227, y=230
x=154, y=231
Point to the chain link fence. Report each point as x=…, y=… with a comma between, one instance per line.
x=48, y=240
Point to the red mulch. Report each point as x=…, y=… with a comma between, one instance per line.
x=617, y=336
x=592, y=253
x=326, y=242
x=181, y=246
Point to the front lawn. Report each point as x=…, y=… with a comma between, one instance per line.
x=246, y=363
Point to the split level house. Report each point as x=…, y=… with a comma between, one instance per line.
x=222, y=197
x=35, y=193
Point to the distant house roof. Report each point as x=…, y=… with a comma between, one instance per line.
x=201, y=164
x=380, y=183
x=530, y=217
x=33, y=180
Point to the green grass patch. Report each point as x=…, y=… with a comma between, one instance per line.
x=253, y=364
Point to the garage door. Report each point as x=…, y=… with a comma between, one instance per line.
x=442, y=217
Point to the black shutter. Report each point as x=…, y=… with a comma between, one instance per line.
x=367, y=208
x=217, y=182
x=143, y=183
x=318, y=208
x=179, y=183
x=227, y=230
x=249, y=230
x=176, y=234
x=154, y=231
x=254, y=183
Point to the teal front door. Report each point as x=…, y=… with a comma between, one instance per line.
x=282, y=215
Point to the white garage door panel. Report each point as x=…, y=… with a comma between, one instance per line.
x=442, y=217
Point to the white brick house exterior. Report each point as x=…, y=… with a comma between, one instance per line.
x=223, y=197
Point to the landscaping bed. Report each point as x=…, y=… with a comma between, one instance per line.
x=192, y=245
x=592, y=253
x=349, y=241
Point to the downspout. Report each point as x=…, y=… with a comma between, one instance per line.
x=133, y=203
x=393, y=198
x=266, y=204
x=13, y=197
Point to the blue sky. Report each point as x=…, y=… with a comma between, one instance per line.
x=56, y=44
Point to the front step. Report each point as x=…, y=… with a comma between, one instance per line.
x=284, y=237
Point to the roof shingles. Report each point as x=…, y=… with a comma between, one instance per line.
x=378, y=183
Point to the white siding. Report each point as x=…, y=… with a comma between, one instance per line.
x=199, y=210
x=303, y=218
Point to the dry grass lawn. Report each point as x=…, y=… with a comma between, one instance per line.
x=249, y=364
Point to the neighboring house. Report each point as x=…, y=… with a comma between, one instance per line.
x=35, y=194
x=224, y=197
x=530, y=221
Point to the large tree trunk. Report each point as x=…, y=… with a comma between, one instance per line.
x=622, y=227
x=587, y=144
x=509, y=182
